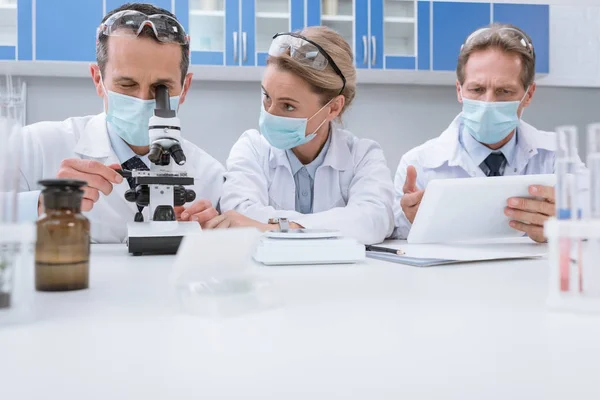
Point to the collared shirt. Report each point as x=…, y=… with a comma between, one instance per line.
x=479, y=152
x=122, y=149
x=304, y=177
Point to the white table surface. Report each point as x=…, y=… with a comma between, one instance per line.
x=371, y=331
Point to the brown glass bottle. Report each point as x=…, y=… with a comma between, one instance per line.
x=62, y=250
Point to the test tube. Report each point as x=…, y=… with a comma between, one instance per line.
x=566, y=201
x=592, y=254
x=593, y=161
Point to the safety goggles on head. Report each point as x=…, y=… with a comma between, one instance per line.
x=507, y=31
x=305, y=51
x=131, y=23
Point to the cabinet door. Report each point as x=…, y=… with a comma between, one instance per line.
x=8, y=29
x=362, y=43
x=210, y=30
x=376, y=38
x=65, y=30
x=424, y=35
x=453, y=22
x=339, y=15
x=248, y=32
x=396, y=24
x=535, y=21
x=275, y=16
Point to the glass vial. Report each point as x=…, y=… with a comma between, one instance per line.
x=62, y=250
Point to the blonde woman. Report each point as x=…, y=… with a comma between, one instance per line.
x=302, y=169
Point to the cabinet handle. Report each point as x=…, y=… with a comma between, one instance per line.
x=244, y=47
x=374, y=50
x=365, y=47
x=235, y=46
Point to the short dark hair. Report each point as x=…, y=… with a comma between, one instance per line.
x=148, y=9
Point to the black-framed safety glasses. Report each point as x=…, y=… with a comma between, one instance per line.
x=305, y=51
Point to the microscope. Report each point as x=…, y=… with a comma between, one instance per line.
x=162, y=187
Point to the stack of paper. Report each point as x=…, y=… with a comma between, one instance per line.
x=427, y=255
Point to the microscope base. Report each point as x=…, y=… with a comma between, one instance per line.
x=146, y=238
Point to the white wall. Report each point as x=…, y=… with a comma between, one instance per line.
x=399, y=117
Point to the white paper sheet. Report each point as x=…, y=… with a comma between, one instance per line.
x=437, y=254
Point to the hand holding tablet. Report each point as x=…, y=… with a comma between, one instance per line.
x=475, y=208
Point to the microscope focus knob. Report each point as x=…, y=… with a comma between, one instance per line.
x=130, y=195
x=182, y=196
x=140, y=195
x=190, y=196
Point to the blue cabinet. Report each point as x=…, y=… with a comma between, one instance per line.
x=362, y=38
x=533, y=19
x=383, y=34
x=424, y=18
x=240, y=32
x=452, y=24
x=113, y=4
x=25, y=29
x=7, y=52
x=65, y=30
x=248, y=52
x=454, y=21
x=271, y=17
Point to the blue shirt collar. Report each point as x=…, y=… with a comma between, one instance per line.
x=296, y=165
x=122, y=149
x=479, y=152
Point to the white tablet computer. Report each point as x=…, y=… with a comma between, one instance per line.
x=470, y=208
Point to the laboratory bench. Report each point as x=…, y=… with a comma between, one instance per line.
x=373, y=330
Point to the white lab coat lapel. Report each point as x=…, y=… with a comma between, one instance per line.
x=94, y=144
x=530, y=140
x=328, y=187
x=449, y=150
x=283, y=196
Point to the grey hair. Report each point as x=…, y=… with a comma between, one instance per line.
x=505, y=37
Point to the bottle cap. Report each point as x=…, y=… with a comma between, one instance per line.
x=62, y=193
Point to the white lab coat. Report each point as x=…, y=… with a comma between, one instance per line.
x=45, y=144
x=444, y=157
x=353, y=191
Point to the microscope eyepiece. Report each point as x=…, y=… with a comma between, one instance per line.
x=163, y=103
x=161, y=93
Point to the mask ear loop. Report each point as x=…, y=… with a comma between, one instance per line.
x=325, y=120
x=105, y=90
x=521, y=102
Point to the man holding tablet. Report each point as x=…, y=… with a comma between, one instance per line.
x=495, y=83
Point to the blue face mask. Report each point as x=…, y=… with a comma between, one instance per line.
x=284, y=132
x=490, y=122
x=129, y=116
